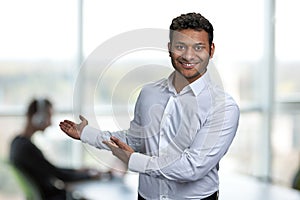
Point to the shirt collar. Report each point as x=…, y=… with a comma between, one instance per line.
x=170, y=83
x=195, y=87
x=198, y=85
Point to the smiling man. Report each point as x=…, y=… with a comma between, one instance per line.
x=190, y=50
x=183, y=125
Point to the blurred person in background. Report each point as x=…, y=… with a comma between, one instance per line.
x=29, y=159
x=296, y=180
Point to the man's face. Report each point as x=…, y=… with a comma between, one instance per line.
x=47, y=119
x=190, y=53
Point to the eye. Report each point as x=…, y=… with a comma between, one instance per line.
x=180, y=47
x=198, y=47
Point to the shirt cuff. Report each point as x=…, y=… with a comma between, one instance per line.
x=138, y=162
x=89, y=135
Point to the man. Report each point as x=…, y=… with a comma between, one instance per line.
x=182, y=125
x=29, y=159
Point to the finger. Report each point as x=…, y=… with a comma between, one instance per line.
x=110, y=146
x=66, y=130
x=70, y=130
x=106, y=143
x=110, y=143
x=82, y=118
x=68, y=122
x=62, y=127
x=118, y=142
x=66, y=125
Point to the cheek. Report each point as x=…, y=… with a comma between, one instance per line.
x=173, y=56
x=176, y=56
x=204, y=56
x=49, y=121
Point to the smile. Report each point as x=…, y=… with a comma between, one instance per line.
x=188, y=65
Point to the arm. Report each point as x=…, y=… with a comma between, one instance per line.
x=31, y=159
x=85, y=133
x=209, y=146
x=95, y=137
x=68, y=174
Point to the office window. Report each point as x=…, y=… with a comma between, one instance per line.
x=287, y=42
x=38, y=58
x=38, y=51
x=286, y=132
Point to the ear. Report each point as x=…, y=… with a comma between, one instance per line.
x=212, y=50
x=169, y=48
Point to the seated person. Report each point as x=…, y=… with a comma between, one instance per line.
x=296, y=180
x=28, y=158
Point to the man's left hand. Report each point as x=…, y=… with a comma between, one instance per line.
x=119, y=149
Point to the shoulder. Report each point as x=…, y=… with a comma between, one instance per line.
x=19, y=140
x=22, y=144
x=152, y=92
x=21, y=148
x=154, y=87
x=220, y=99
x=162, y=83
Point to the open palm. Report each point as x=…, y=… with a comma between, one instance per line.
x=72, y=129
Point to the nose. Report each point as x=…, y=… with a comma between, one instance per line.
x=189, y=54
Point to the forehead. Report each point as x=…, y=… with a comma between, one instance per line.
x=49, y=110
x=191, y=36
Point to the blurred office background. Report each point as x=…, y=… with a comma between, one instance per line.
x=44, y=43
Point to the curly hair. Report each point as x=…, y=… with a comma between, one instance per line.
x=192, y=21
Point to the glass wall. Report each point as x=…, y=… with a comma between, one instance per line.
x=92, y=58
x=286, y=132
x=38, y=58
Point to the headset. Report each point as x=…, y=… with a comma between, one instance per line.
x=39, y=118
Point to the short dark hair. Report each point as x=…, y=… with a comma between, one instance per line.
x=33, y=106
x=192, y=21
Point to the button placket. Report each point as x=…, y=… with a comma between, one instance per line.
x=164, y=122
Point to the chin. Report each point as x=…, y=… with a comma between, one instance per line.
x=190, y=75
x=193, y=77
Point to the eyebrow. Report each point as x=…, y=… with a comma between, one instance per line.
x=199, y=43
x=178, y=42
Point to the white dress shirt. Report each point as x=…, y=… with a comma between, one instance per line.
x=179, y=138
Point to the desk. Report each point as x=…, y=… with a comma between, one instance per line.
x=232, y=186
x=237, y=186
x=116, y=188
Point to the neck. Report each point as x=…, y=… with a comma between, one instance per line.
x=179, y=81
x=28, y=131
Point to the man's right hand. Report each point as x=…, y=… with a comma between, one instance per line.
x=72, y=129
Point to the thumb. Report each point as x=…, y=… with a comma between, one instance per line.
x=82, y=118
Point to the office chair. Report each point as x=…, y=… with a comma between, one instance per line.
x=26, y=184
